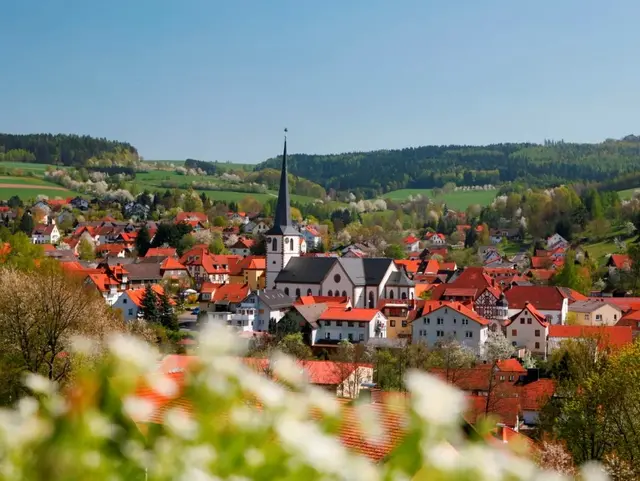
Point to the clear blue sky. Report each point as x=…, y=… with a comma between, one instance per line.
x=219, y=80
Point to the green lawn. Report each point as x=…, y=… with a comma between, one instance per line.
x=8, y=179
x=28, y=167
x=31, y=192
x=459, y=200
x=627, y=194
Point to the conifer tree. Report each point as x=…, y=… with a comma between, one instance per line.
x=149, y=309
x=143, y=241
x=167, y=315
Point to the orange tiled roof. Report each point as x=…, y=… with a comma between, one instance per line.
x=161, y=252
x=172, y=264
x=610, y=336
x=136, y=295
x=433, y=306
x=330, y=301
x=356, y=314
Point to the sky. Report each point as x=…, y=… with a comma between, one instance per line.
x=219, y=80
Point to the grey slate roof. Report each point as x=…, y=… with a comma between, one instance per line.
x=306, y=270
x=282, y=223
x=146, y=271
x=275, y=298
x=375, y=269
x=312, y=313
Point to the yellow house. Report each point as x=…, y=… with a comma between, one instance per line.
x=594, y=312
x=251, y=271
x=397, y=314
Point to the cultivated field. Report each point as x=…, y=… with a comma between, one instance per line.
x=458, y=200
x=38, y=169
x=627, y=194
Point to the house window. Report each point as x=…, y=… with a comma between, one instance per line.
x=298, y=292
x=361, y=337
x=455, y=320
x=468, y=334
x=587, y=317
x=512, y=378
x=327, y=335
x=131, y=312
x=514, y=332
x=440, y=320
x=362, y=324
x=339, y=323
x=328, y=323
x=529, y=320
x=428, y=320
x=330, y=293
x=350, y=324
x=404, y=323
x=440, y=334
x=350, y=337
x=465, y=322
x=537, y=345
x=124, y=301
x=308, y=292
x=598, y=317
x=392, y=323
x=340, y=336
x=522, y=320
x=537, y=332
x=502, y=378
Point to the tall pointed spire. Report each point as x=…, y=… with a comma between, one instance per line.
x=282, y=223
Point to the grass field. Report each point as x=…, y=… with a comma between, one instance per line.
x=28, y=167
x=627, y=194
x=30, y=187
x=459, y=200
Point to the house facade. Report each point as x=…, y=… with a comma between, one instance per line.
x=594, y=313
x=445, y=320
x=355, y=325
x=528, y=329
x=46, y=234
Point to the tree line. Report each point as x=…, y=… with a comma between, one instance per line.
x=553, y=163
x=62, y=149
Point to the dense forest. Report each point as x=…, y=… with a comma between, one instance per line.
x=62, y=149
x=548, y=164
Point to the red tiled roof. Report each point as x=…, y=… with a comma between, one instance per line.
x=620, y=261
x=609, y=336
x=102, y=282
x=433, y=306
x=226, y=292
x=336, y=302
x=110, y=248
x=172, y=264
x=356, y=314
x=535, y=313
x=545, y=298
x=161, y=252
x=542, y=274
x=624, y=303
x=311, y=230
x=48, y=247
x=136, y=295
x=432, y=267
x=411, y=266
x=244, y=243
x=410, y=239
x=448, y=266
x=535, y=394
x=43, y=229
x=187, y=216
x=478, y=378
x=460, y=292
x=506, y=409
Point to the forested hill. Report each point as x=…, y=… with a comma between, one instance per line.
x=64, y=149
x=552, y=163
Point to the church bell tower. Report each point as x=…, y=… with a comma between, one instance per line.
x=282, y=241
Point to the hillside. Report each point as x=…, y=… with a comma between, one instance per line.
x=551, y=163
x=63, y=149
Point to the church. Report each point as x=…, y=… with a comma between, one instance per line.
x=364, y=280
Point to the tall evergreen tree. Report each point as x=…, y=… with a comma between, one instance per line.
x=167, y=316
x=149, y=309
x=26, y=223
x=143, y=241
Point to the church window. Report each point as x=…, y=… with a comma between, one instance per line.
x=337, y=278
x=309, y=292
x=274, y=244
x=298, y=292
x=391, y=295
x=286, y=290
x=344, y=293
x=330, y=293
x=370, y=300
x=291, y=244
x=404, y=295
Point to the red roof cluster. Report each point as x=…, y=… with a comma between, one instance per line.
x=349, y=314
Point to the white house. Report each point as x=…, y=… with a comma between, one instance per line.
x=552, y=302
x=445, y=320
x=435, y=238
x=46, y=233
x=130, y=302
x=529, y=329
x=270, y=305
x=555, y=241
x=260, y=228
x=411, y=244
x=354, y=325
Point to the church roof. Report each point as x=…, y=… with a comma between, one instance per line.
x=282, y=223
x=313, y=270
x=400, y=279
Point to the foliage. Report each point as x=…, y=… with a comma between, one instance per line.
x=294, y=346
x=149, y=310
x=170, y=234
x=26, y=223
x=573, y=276
x=23, y=254
x=143, y=241
x=166, y=313
x=86, y=251
x=394, y=251
x=62, y=149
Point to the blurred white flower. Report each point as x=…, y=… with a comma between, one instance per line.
x=39, y=384
x=592, y=471
x=137, y=408
x=181, y=424
x=161, y=384
x=433, y=400
x=135, y=353
x=287, y=369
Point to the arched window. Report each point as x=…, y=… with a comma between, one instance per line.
x=404, y=295
x=286, y=290
x=370, y=299
x=298, y=292
x=308, y=292
x=274, y=244
x=330, y=293
x=337, y=293
x=344, y=293
x=390, y=294
x=291, y=244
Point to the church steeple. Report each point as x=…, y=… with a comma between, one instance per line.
x=282, y=223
